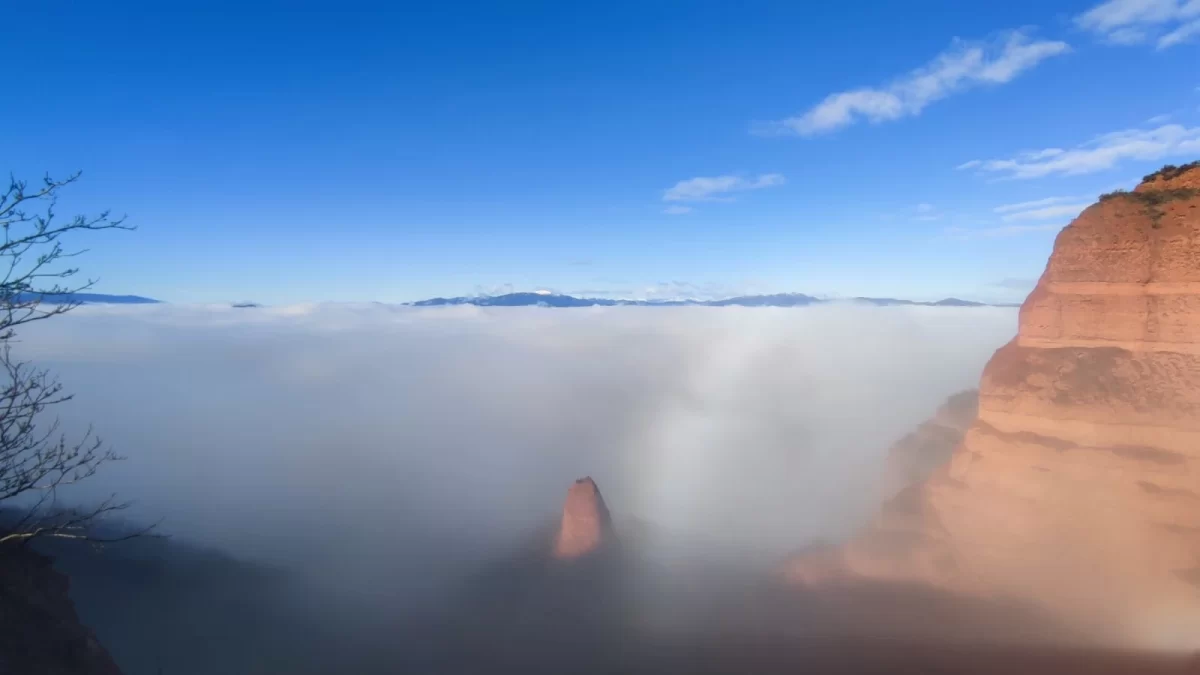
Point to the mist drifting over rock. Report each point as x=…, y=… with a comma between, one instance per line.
x=756, y=426
x=380, y=455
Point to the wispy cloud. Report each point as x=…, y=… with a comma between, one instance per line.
x=998, y=231
x=1023, y=285
x=686, y=290
x=927, y=212
x=1046, y=212
x=677, y=210
x=1102, y=152
x=1130, y=22
x=710, y=188
x=599, y=292
x=669, y=290
x=1181, y=34
x=499, y=289
x=962, y=66
x=1035, y=204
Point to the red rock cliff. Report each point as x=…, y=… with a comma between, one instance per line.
x=1077, y=487
x=915, y=457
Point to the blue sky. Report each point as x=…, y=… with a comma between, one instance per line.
x=623, y=149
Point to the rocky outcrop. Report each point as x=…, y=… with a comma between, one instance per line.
x=915, y=457
x=39, y=629
x=586, y=524
x=1078, y=484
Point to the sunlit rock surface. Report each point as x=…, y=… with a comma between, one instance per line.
x=586, y=524
x=1078, y=484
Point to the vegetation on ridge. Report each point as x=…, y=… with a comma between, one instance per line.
x=1151, y=199
x=1171, y=171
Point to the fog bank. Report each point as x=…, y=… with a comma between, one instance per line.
x=353, y=435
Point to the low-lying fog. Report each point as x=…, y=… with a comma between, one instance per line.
x=382, y=453
x=275, y=432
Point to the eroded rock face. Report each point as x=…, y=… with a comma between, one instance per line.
x=1077, y=487
x=915, y=457
x=586, y=524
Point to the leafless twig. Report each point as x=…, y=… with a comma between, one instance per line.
x=36, y=460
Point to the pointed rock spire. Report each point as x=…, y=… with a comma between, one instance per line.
x=586, y=524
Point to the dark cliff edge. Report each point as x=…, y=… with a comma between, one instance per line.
x=40, y=631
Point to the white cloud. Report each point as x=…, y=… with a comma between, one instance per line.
x=999, y=231
x=1128, y=22
x=1046, y=212
x=1035, y=204
x=500, y=289
x=687, y=290
x=1046, y=153
x=1115, y=14
x=670, y=290
x=1102, y=152
x=1159, y=119
x=1127, y=36
x=926, y=212
x=708, y=188
x=1181, y=34
x=677, y=210
x=962, y=66
x=1013, y=284
x=1042, y=209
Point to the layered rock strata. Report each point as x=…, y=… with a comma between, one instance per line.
x=1077, y=487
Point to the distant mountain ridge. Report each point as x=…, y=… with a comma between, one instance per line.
x=86, y=299
x=541, y=299
x=773, y=300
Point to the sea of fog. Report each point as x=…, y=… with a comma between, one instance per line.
x=345, y=436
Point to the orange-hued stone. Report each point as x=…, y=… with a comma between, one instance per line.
x=1077, y=487
x=586, y=524
x=917, y=455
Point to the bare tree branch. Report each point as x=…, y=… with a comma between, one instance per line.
x=36, y=461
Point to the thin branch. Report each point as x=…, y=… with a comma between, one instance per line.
x=35, y=459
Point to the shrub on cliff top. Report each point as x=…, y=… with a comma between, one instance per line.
x=1152, y=197
x=1171, y=171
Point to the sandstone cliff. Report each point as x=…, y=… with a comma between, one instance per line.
x=39, y=629
x=1078, y=484
x=915, y=457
